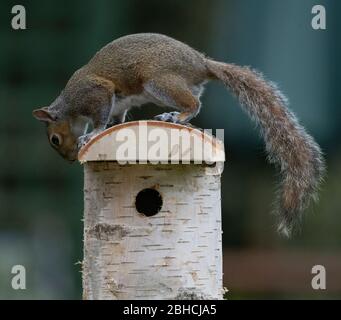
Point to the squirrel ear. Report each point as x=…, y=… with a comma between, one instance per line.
x=43, y=114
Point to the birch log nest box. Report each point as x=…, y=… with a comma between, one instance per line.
x=152, y=213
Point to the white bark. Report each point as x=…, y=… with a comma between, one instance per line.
x=175, y=254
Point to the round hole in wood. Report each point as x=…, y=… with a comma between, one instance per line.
x=148, y=202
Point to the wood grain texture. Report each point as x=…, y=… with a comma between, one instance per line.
x=182, y=143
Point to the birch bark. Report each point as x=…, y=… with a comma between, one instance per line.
x=174, y=254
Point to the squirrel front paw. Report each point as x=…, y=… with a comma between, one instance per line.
x=84, y=139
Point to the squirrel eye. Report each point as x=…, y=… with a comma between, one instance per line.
x=55, y=140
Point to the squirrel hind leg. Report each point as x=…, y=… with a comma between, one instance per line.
x=173, y=91
x=175, y=117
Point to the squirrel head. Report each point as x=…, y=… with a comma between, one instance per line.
x=59, y=133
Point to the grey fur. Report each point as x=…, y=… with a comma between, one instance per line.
x=289, y=146
x=141, y=68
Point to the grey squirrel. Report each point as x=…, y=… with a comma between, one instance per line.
x=146, y=67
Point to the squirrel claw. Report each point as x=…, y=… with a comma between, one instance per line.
x=168, y=117
x=82, y=140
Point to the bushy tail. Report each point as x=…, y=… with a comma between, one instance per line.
x=287, y=143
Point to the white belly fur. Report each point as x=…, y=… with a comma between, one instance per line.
x=122, y=104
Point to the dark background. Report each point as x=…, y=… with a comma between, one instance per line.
x=41, y=199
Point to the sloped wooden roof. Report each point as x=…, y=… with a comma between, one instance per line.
x=140, y=140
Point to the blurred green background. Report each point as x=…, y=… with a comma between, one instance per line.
x=41, y=199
